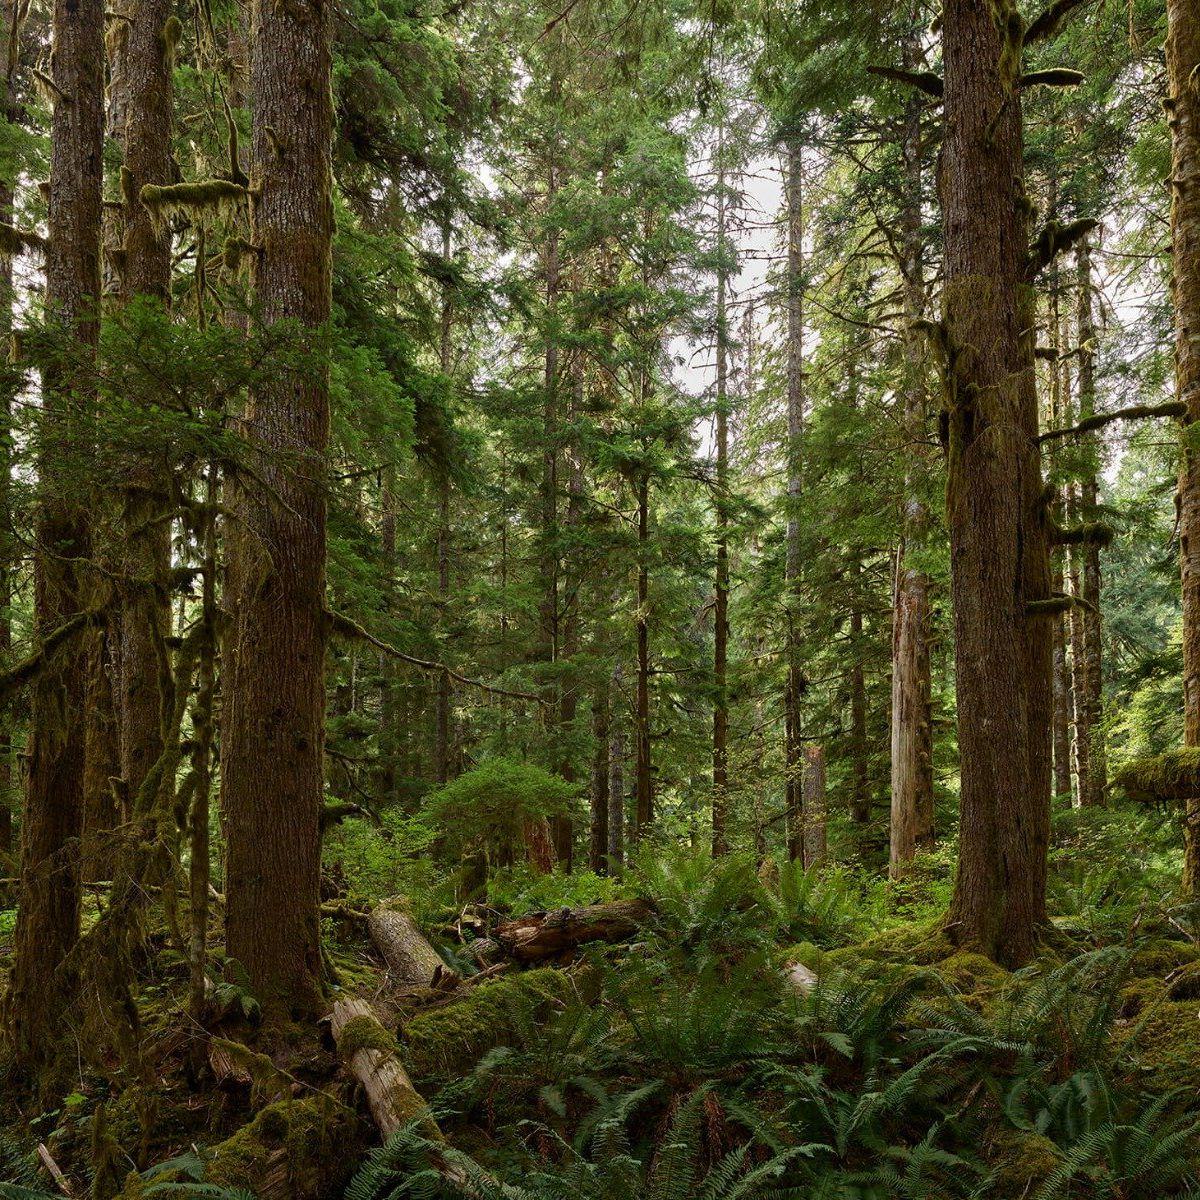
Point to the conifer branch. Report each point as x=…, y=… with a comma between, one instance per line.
x=1048, y=23
x=1172, y=408
x=925, y=81
x=348, y=627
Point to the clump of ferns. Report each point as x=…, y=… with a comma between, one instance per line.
x=553, y=1071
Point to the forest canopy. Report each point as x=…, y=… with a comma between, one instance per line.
x=600, y=599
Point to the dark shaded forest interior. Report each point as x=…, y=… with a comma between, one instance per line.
x=600, y=600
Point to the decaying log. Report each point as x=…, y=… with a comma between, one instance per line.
x=543, y=935
x=370, y=1054
x=230, y=1074
x=411, y=960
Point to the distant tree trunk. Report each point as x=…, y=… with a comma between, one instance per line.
x=1078, y=632
x=616, y=776
x=40, y=986
x=442, y=730
x=998, y=550
x=814, y=806
x=145, y=609
x=720, y=738
x=598, y=844
x=796, y=683
x=860, y=783
x=388, y=680
x=1063, y=702
x=645, y=777
x=1183, y=111
x=911, y=824
x=273, y=729
x=1092, y=707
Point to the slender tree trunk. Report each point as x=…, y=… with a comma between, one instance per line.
x=1078, y=631
x=1092, y=708
x=388, y=676
x=814, y=806
x=720, y=737
x=40, y=986
x=273, y=730
x=598, y=845
x=998, y=550
x=616, y=776
x=860, y=782
x=796, y=682
x=1060, y=387
x=645, y=777
x=1183, y=112
x=911, y=824
x=442, y=730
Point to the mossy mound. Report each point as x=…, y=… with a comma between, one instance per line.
x=302, y=1149
x=1158, y=957
x=968, y=971
x=1165, y=1042
x=1173, y=775
x=449, y=1040
x=921, y=944
x=1022, y=1161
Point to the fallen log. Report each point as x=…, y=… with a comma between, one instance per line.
x=410, y=958
x=372, y=1057
x=544, y=935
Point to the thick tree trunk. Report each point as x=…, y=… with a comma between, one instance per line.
x=795, y=685
x=548, y=934
x=273, y=728
x=1183, y=111
x=720, y=735
x=998, y=549
x=40, y=989
x=911, y=824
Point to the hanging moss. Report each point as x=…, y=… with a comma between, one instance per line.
x=16, y=241
x=1171, y=776
x=1051, y=606
x=202, y=202
x=450, y=1040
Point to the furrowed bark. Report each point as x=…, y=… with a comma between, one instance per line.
x=1183, y=114
x=40, y=990
x=273, y=710
x=998, y=547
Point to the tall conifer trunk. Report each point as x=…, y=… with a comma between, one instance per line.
x=911, y=824
x=273, y=729
x=1092, y=675
x=720, y=738
x=40, y=987
x=1183, y=110
x=795, y=684
x=999, y=563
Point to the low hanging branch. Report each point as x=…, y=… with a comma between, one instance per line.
x=28, y=669
x=1050, y=20
x=348, y=627
x=1056, y=239
x=1172, y=408
x=924, y=81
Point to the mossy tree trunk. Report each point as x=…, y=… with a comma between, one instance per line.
x=1183, y=111
x=273, y=727
x=40, y=990
x=720, y=728
x=598, y=793
x=796, y=683
x=1091, y=707
x=911, y=823
x=616, y=773
x=998, y=547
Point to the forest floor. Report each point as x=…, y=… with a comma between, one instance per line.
x=685, y=1061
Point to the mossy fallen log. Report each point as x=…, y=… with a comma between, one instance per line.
x=451, y=1039
x=410, y=959
x=1173, y=776
x=372, y=1056
x=543, y=935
